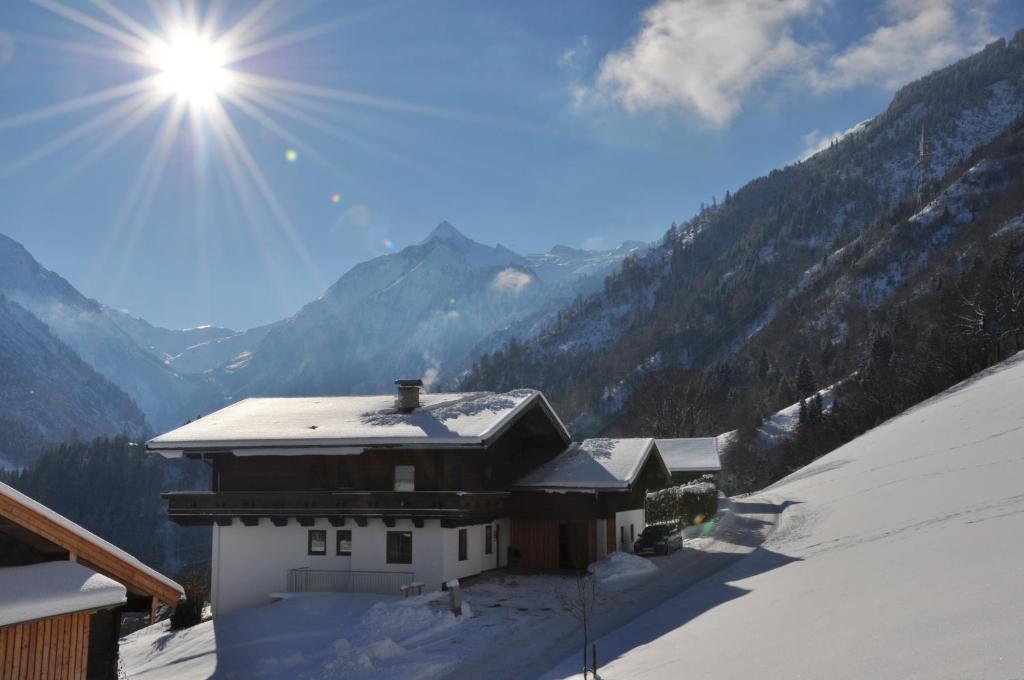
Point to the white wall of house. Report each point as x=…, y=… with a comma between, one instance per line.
x=628, y=524
x=250, y=563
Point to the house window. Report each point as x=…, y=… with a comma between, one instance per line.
x=399, y=547
x=463, y=545
x=622, y=538
x=632, y=533
x=405, y=478
x=344, y=542
x=317, y=544
x=488, y=537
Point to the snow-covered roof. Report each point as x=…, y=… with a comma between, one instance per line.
x=37, y=591
x=695, y=454
x=84, y=534
x=288, y=425
x=593, y=464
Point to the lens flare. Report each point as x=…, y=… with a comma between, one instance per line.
x=389, y=245
x=291, y=155
x=335, y=198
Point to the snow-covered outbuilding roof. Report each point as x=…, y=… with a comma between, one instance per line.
x=695, y=454
x=292, y=425
x=594, y=464
x=38, y=591
x=58, y=529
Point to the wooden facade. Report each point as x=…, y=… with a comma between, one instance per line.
x=81, y=644
x=348, y=478
x=56, y=648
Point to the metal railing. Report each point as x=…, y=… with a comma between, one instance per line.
x=306, y=580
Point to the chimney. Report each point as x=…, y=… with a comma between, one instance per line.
x=408, y=395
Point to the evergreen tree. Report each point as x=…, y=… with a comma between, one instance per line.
x=806, y=385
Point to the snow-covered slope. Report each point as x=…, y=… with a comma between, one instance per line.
x=896, y=556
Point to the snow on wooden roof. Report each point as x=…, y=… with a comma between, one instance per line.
x=695, y=454
x=592, y=464
x=38, y=591
x=289, y=425
x=102, y=554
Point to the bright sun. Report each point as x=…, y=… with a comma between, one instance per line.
x=191, y=68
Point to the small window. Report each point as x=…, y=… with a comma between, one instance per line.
x=632, y=533
x=344, y=542
x=488, y=537
x=405, y=478
x=399, y=547
x=463, y=545
x=622, y=538
x=317, y=542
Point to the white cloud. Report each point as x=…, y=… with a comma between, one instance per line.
x=919, y=37
x=511, y=280
x=569, y=58
x=703, y=56
x=707, y=57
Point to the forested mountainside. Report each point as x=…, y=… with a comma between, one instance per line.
x=83, y=325
x=415, y=313
x=48, y=394
x=112, y=487
x=705, y=332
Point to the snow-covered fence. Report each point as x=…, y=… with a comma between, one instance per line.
x=306, y=580
x=689, y=503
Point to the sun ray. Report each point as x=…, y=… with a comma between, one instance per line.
x=140, y=31
x=76, y=133
x=251, y=109
x=247, y=51
x=120, y=54
x=136, y=118
x=234, y=35
x=163, y=16
x=290, y=110
x=94, y=24
x=266, y=192
x=79, y=103
x=350, y=97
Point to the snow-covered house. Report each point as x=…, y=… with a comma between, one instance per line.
x=372, y=493
x=690, y=458
x=62, y=592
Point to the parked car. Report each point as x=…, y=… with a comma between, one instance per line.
x=659, y=538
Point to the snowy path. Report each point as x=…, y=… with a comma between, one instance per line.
x=899, y=556
x=743, y=526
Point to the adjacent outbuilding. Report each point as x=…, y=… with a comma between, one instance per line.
x=62, y=592
x=690, y=458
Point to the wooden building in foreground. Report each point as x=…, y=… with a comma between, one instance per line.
x=62, y=592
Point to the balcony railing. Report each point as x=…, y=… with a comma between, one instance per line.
x=306, y=580
x=205, y=506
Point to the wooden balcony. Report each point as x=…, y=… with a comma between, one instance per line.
x=453, y=508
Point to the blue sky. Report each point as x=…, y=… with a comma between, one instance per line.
x=527, y=123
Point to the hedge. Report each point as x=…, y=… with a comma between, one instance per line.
x=689, y=503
